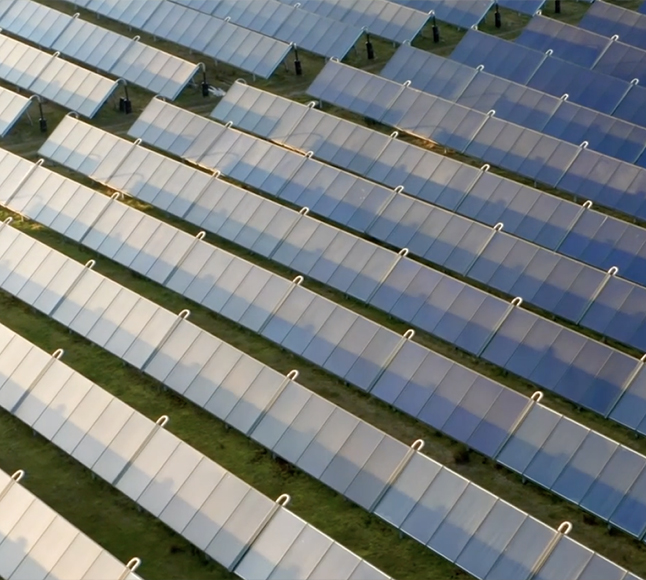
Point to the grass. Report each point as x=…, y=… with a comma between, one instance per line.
x=111, y=519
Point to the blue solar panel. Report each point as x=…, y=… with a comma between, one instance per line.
x=460, y=13
x=542, y=158
x=609, y=19
x=567, y=42
x=642, y=8
x=585, y=48
x=530, y=7
x=513, y=102
x=552, y=75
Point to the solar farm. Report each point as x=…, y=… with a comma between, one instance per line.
x=328, y=290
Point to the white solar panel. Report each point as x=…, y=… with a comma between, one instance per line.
x=215, y=37
x=233, y=523
x=112, y=53
x=36, y=543
x=12, y=107
x=52, y=78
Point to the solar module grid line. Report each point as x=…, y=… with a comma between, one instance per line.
x=52, y=78
x=571, y=168
x=454, y=390
x=37, y=543
x=236, y=525
x=407, y=500
x=379, y=17
x=221, y=40
x=526, y=107
x=304, y=29
x=123, y=57
x=610, y=56
x=547, y=73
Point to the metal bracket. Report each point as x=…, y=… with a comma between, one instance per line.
x=533, y=400
x=486, y=167
x=497, y=228
x=116, y=195
x=401, y=254
x=282, y=501
x=198, y=238
x=513, y=304
x=563, y=530
x=131, y=567
x=15, y=478
x=88, y=266
x=417, y=445
x=304, y=211
x=627, y=384
x=289, y=377
x=159, y=424
x=408, y=335
x=56, y=355
x=575, y=221
x=295, y=282
x=491, y=113
x=183, y=315
x=611, y=273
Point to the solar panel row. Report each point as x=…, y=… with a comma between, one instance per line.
x=517, y=267
x=526, y=107
x=52, y=78
x=319, y=35
x=530, y=7
x=441, y=305
x=546, y=220
x=470, y=409
x=378, y=17
x=574, y=169
x=587, y=49
x=214, y=37
x=610, y=95
x=642, y=8
x=457, y=12
x=112, y=53
x=37, y=543
x=481, y=533
x=608, y=20
x=12, y=107
x=237, y=526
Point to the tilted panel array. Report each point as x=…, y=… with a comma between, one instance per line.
x=587, y=49
x=609, y=19
x=37, y=543
x=574, y=169
x=112, y=53
x=517, y=267
x=524, y=106
x=467, y=525
x=530, y=7
x=52, y=78
x=214, y=37
x=318, y=34
x=12, y=107
x=460, y=13
x=465, y=406
x=378, y=17
x=236, y=525
x=547, y=73
x=548, y=221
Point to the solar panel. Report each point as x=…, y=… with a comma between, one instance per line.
x=112, y=53
x=460, y=13
x=576, y=231
x=574, y=169
x=221, y=40
x=642, y=8
x=299, y=324
x=552, y=75
x=230, y=521
x=512, y=102
x=318, y=34
x=608, y=20
x=585, y=48
x=200, y=500
x=530, y=7
x=378, y=17
x=37, y=543
x=52, y=78
x=12, y=107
